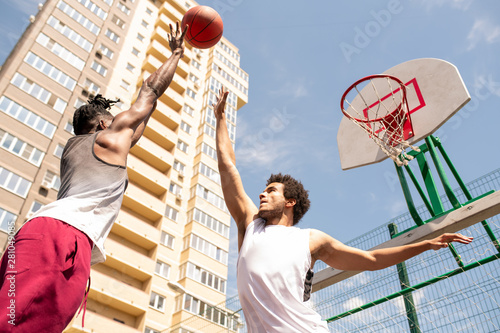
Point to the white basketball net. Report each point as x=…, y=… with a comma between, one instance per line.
x=379, y=107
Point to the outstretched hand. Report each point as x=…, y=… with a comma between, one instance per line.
x=176, y=38
x=444, y=240
x=220, y=104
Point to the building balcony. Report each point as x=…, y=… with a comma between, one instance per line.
x=161, y=134
x=171, y=13
x=143, y=203
x=117, y=294
x=136, y=230
x=128, y=261
x=150, y=178
x=153, y=154
x=96, y=322
x=167, y=116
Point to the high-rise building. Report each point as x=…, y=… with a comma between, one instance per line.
x=167, y=253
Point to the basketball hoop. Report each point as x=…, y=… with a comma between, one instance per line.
x=380, y=107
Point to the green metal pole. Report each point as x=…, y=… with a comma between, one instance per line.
x=419, y=190
x=464, y=188
x=430, y=185
x=407, y=194
x=444, y=180
x=404, y=280
x=417, y=286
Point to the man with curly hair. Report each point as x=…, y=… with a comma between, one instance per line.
x=55, y=248
x=275, y=262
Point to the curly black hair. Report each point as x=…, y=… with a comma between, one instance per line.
x=87, y=116
x=293, y=189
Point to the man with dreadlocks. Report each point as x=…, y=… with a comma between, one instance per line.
x=55, y=249
x=276, y=259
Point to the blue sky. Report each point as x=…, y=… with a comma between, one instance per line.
x=298, y=71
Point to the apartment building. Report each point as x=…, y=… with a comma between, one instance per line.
x=167, y=253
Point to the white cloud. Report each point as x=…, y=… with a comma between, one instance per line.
x=483, y=30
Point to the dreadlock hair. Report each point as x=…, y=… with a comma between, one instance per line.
x=87, y=117
x=293, y=189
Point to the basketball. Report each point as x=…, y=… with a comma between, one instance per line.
x=205, y=27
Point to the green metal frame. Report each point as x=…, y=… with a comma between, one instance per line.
x=433, y=200
x=435, y=207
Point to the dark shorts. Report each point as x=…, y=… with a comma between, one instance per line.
x=43, y=275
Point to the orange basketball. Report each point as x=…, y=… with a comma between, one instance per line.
x=205, y=27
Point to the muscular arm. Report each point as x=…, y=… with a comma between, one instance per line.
x=241, y=207
x=128, y=126
x=341, y=256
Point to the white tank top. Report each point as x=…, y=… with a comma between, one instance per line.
x=272, y=266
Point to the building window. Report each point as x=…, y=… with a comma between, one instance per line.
x=106, y=51
x=185, y=127
x=59, y=150
x=207, y=150
x=94, y=8
x=203, y=276
x=70, y=34
x=38, y=92
x=150, y=330
x=171, y=213
x=27, y=117
x=190, y=93
x=195, y=64
x=167, y=240
x=144, y=24
x=162, y=269
x=179, y=167
x=208, y=221
x=181, y=145
x=135, y=51
x=118, y=21
x=78, y=17
x=149, y=11
x=210, y=131
x=91, y=87
x=194, y=78
x=113, y=36
x=123, y=8
x=69, y=128
x=50, y=71
x=130, y=67
x=125, y=85
x=51, y=180
x=7, y=220
x=20, y=148
x=140, y=37
x=60, y=51
x=99, y=68
x=157, y=301
x=14, y=183
x=175, y=188
x=208, y=195
x=189, y=110
x=205, y=247
x=207, y=172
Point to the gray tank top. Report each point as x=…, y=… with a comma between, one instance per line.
x=91, y=192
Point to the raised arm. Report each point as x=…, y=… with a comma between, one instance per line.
x=127, y=127
x=340, y=256
x=241, y=207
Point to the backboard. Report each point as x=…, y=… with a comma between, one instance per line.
x=435, y=92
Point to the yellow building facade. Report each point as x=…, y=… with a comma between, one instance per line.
x=167, y=253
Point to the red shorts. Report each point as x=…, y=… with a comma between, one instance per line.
x=43, y=275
